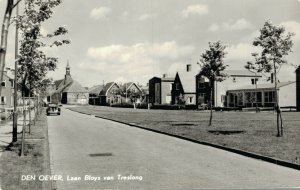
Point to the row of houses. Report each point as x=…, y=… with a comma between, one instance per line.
x=241, y=88
x=69, y=91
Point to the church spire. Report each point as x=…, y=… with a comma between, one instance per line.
x=68, y=72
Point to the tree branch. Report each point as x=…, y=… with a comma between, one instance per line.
x=16, y=4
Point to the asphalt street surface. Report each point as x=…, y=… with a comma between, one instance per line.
x=92, y=153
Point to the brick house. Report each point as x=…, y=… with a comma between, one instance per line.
x=110, y=94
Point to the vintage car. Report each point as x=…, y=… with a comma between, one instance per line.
x=53, y=109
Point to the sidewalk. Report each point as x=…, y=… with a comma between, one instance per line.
x=6, y=131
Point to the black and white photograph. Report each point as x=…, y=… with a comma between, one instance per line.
x=149, y=94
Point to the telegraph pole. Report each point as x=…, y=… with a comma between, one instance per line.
x=15, y=113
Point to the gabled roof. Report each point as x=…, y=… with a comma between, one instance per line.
x=128, y=85
x=74, y=87
x=187, y=78
x=263, y=86
x=107, y=87
x=95, y=89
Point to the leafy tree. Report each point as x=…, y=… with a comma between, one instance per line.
x=212, y=66
x=34, y=64
x=275, y=45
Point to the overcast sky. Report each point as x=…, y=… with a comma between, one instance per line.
x=134, y=40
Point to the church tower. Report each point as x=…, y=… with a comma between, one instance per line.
x=68, y=77
x=68, y=72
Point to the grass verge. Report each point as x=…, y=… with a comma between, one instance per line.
x=251, y=132
x=35, y=161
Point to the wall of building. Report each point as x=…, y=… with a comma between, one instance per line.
x=190, y=99
x=232, y=82
x=77, y=98
x=7, y=93
x=154, y=95
x=287, y=95
x=166, y=95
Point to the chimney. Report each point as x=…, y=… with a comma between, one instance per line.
x=188, y=67
x=272, y=78
x=164, y=75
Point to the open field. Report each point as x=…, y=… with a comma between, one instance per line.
x=35, y=162
x=253, y=132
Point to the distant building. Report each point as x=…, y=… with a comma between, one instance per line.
x=131, y=92
x=6, y=99
x=263, y=95
x=94, y=94
x=235, y=79
x=184, y=86
x=68, y=91
x=110, y=94
x=160, y=90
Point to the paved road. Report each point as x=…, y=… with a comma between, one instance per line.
x=83, y=145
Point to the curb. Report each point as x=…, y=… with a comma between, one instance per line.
x=233, y=150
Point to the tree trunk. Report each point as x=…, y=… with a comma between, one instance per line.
x=277, y=107
x=24, y=123
x=211, y=98
x=4, y=35
x=29, y=109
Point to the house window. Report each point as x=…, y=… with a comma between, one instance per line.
x=3, y=83
x=269, y=96
x=188, y=67
x=201, y=83
x=254, y=81
x=3, y=100
x=177, y=86
x=234, y=79
x=191, y=99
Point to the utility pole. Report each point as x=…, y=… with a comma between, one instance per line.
x=15, y=113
